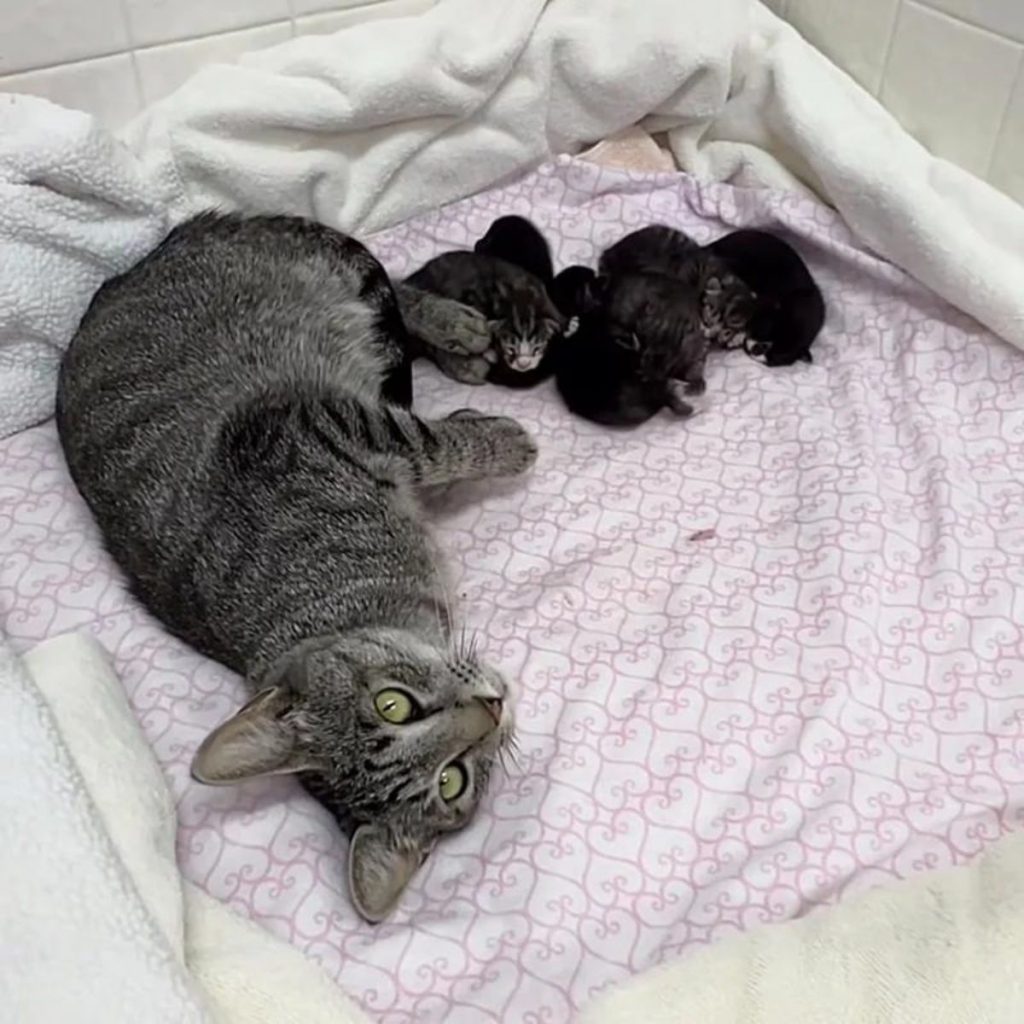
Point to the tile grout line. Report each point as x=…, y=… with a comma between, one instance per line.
x=136, y=74
x=142, y=49
x=1018, y=80
x=889, y=45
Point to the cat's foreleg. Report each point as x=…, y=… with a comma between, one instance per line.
x=466, y=445
x=469, y=445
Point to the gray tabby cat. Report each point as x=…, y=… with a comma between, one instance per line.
x=223, y=411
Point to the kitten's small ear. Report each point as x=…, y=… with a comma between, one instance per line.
x=260, y=739
x=593, y=293
x=380, y=864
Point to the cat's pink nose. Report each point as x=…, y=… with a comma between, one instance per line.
x=493, y=706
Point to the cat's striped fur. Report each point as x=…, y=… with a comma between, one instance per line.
x=224, y=409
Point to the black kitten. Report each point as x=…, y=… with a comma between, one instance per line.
x=638, y=336
x=789, y=309
x=517, y=240
x=656, y=249
x=726, y=302
x=524, y=321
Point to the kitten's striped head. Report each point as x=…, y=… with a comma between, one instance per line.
x=524, y=335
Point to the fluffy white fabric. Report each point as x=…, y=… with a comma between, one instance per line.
x=366, y=127
x=945, y=949
x=75, y=209
x=96, y=922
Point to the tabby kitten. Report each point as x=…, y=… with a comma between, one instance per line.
x=789, y=310
x=524, y=322
x=224, y=411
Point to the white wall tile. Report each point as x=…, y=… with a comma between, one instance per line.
x=854, y=35
x=163, y=68
x=1004, y=17
x=105, y=87
x=161, y=21
x=948, y=84
x=321, y=24
x=38, y=33
x=1007, y=170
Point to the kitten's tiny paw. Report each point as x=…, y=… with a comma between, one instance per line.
x=676, y=401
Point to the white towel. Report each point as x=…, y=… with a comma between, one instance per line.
x=74, y=210
x=96, y=923
x=366, y=127
x=940, y=949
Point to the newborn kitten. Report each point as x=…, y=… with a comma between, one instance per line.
x=656, y=249
x=523, y=320
x=517, y=240
x=637, y=336
x=789, y=310
x=223, y=409
x=726, y=302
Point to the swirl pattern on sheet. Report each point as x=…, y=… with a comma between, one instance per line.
x=766, y=657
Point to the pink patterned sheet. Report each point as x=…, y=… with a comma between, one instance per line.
x=766, y=657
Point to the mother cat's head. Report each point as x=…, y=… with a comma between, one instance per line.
x=396, y=734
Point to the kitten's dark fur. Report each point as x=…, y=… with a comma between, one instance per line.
x=790, y=310
x=518, y=241
x=524, y=321
x=645, y=321
x=223, y=410
x=656, y=249
x=726, y=303
x=638, y=335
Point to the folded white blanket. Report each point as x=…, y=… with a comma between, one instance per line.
x=942, y=949
x=366, y=127
x=75, y=209
x=96, y=923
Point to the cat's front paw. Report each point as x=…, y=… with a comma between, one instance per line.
x=515, y=448
x=464, y=369
x=464, y=331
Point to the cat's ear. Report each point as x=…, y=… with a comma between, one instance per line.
x=381, y=862
x=260, y=739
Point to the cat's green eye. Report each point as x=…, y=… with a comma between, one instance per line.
x=452, y=783
x=394, y=706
